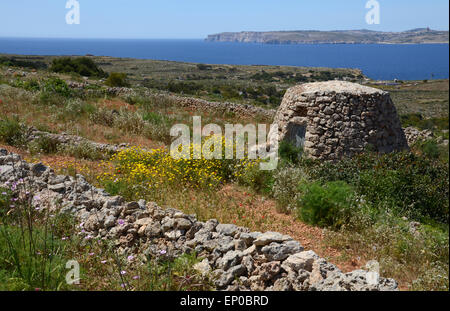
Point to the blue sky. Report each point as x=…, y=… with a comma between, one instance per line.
x=198, y=18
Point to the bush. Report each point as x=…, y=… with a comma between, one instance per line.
x=83, y=66
x=418, y=121
x=289, y=152
x=49, y=99
x=116, y=79
x=285, y=190
x=204, y=67
x=155, y=118
x=259, y=180
x=14, y=62
x=83, y=150
x=76, y=108
x=103, y=116
x=28, y=85
x=44, y=144
x=431, y=149
x=158, y=131
x=56, y=86
x=129, y=121
x=329, y=205
x=413, y=184
x=12, y=95
x=183, y=87
x=12, y=132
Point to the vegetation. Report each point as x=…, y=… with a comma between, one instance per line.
x=392, y=208
x=36, y=246
x=327, y=205
x=116, y=79
x=410, y=184
x=417, y=120
x=83, y=66
x=19, y=62
x=11, y=132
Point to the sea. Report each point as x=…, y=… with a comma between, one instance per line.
x=377, y=61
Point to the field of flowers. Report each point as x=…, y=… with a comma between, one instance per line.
x=149, y=170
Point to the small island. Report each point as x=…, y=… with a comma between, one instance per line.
x=414, y=36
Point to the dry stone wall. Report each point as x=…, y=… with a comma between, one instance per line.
x=234, y=257
x=335, y=119
x=197, y=104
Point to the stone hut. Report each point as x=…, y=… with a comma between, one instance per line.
x=336, y=118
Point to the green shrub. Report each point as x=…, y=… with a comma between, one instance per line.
x=83, y=66
x=158, y=131
x=418, y=121
x=15, y=62
x=184, y=87
x=12, y=95
x=289, y=152
x=49, y=99
x=155, y=118
x=285, y=189
x=431, y=149
x=204, y=67
x=117, y=79
x=103, y=116
x=76, y=108
x=129, y=121
x=83, y=150
x=12, y=132
x=259, y=180
x=414, y=184
x=326, y=205
x=58, y=86
x=44, y=144
x=29, y=85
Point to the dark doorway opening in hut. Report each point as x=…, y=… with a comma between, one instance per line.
x=296, y=134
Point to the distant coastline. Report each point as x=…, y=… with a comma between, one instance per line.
x=414, y=36
x=376, y=61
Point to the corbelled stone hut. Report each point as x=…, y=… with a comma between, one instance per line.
x=336, y=118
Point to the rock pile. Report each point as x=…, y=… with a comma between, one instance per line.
x=197, y=104
x=414, y=135
x=335, y=119
x=235, y=258
x=64, y=139
x=241, y=110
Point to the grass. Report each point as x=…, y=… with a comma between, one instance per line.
x=36, y=247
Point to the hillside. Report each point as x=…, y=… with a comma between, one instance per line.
x=88, y=156
x=415, y=36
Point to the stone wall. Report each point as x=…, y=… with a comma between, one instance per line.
x=197, y=104
x=335, y=119
x=414, y=135
x=234, y=257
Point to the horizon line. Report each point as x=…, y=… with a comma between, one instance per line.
x=202, y=38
